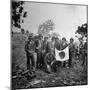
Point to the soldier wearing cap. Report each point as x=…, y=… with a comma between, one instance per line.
x=71, y=51
x=45, y=43
x=49, y=57
x=39, y=47
x=57, y=43
x=31, y=54
x=85, y=53
x=81, y=50
x=44, y=50
x=64, y=43
x=51, y=46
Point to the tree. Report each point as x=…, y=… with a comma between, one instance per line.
x=46, y=27
x=54, y=34
x=82, y=30
x=17, y=12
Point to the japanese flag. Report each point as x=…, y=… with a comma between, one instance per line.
x=62, y=55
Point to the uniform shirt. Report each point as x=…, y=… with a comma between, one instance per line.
x=85, y=47
x=51, y=47
x=57, y=44
x=63, y=45
x=39, y=45
x=71, y=47
x=30, y=46
x=45, y=46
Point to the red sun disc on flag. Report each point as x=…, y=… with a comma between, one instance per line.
x=62, y=55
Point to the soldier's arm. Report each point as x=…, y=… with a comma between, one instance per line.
x=26, y=49
x=65, y=46
x=43, y=47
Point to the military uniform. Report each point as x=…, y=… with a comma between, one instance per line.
x=57, y=44
x=71, y=53
x=51, y=47
x=81, y=52
x=45, y=45
x=85, y=54
x=39, y=48
x=44, y=51
x=50, y=55
x=31, y=55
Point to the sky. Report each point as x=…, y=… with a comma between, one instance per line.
x=66, y=17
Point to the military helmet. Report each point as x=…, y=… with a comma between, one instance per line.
x=71, y=39
x=45, y=37
x=30, y=36
x=40, y=36
x=64, y=38
x=53, y=38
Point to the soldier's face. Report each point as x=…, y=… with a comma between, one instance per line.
x=57, y=39
x=63, y=40
x=46, y=39
x=52, y=40
x=30, y=39
x=71, y=41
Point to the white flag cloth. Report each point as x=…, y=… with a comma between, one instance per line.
x=62, y=55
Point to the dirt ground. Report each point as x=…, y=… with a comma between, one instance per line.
x=77, y=75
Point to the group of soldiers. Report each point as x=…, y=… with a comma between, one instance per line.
x=40, y=51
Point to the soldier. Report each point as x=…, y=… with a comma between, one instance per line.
x=49, y=57
x=63, y=45
x=45, y=43
x=39, y=48
x=51, y=46
x=44, y=50
x=31, y=54
x=85, y=53
x=81, y=50
x=57, y=43
x=71, y=51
